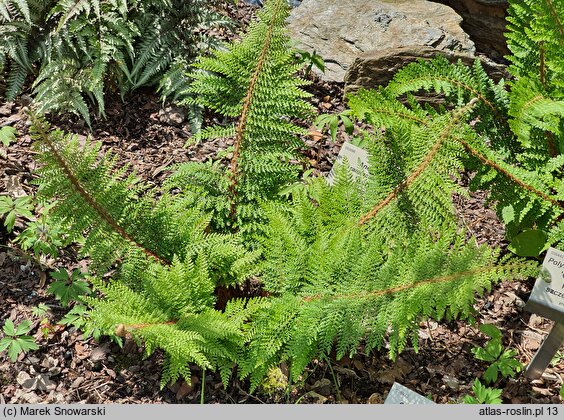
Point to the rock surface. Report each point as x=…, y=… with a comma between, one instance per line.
x=377, y=67
x=340, y=30
x=484, y=21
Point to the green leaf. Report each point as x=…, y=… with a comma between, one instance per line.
x=508, y=214
x=23, y=327
x=67, y=292
x=491, y=373
x=483, y=354
x=491, y=331
x=348, y=124
x=5, y=343
x=6, y=205
x=9, y=328
x=14, y=350
x=26, y=343
x=10, y=221
x=61, y=274
x=318, y=62
x=529, y=243
x=7, y=135
x=39, y=310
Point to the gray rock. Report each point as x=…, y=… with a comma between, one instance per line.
x=484, y=21
x=340, y=30
x=6, y=109
x=377, y=67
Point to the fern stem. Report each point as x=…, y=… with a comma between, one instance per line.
x=506, y=173
x=542, y=69
x=247, y=102
x=433, y=280
x=556, y=18
x=469, y=88
x=422, y=166
x=87, y=197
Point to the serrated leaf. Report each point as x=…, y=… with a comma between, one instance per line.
x=61, y=274
x=483, y=354
x=491, y=373
x=4, y=343
x=10, y=221
x=66, y=292
x=26, y=343
x=9, y=328
x=14, y=350
x=23, y=327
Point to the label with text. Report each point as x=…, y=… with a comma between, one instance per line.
x=355, y=157
x=549, y=287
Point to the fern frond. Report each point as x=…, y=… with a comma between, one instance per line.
x=254, y=80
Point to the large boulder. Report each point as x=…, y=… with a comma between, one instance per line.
x=340, y=30
x=484, y=21
x=377, y=67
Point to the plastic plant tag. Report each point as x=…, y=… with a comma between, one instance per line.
x=399, y=394
x=547, y=297
x=355, y=157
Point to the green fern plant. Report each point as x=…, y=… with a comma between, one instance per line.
x=255, y=82
x=77, y=50
x=343, y=264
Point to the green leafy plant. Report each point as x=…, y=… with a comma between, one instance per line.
x=12, y=209
x=15, y=340
x=254, y=81
x=332, y=122
x=40, y=310
x=42, y=235
x=7, y=135
x=502, y=360
x=483, y=395
x=76, y=51
x=338, y=265
x=309, y=60
x=67, y=287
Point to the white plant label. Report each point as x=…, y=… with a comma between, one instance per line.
x=356, y=158
x=399, y=394
x=547, y=297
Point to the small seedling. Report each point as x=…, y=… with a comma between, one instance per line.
x=16, y=341
x=483, y=395
x=309, y=60
x=40, y=310
x=21, y=206
x=502, y=361
x=68, y=288
x=332, y=121
x=43, y=235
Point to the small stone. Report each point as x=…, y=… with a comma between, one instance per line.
x=22, y=377
x=451, y=382
x=6, y=109
x=172, y=115
x=323, y=386
x=317, y=398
